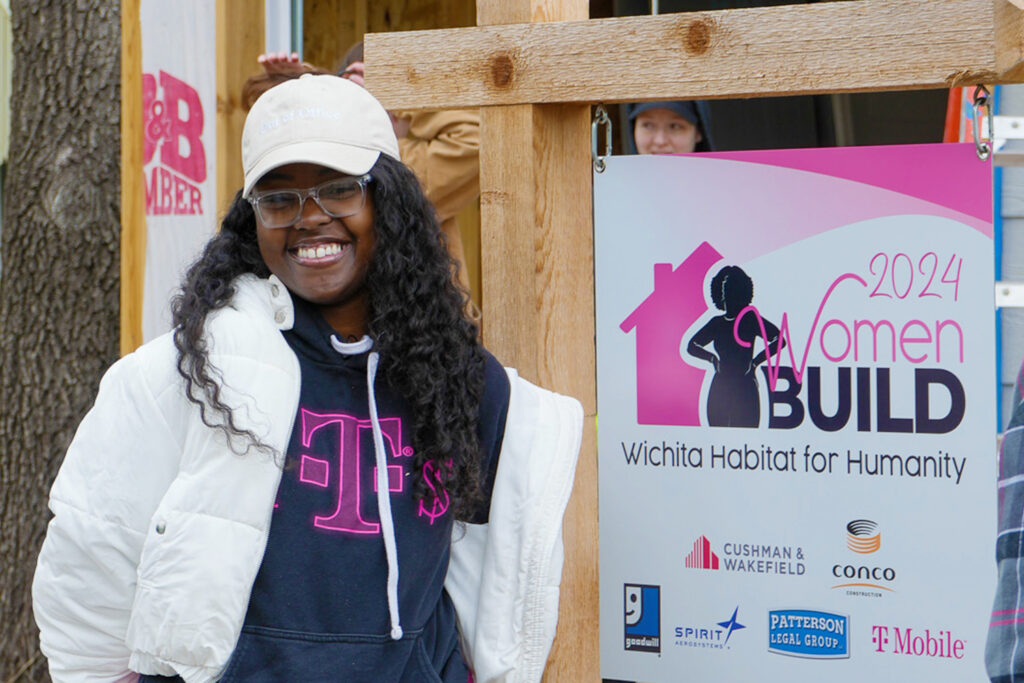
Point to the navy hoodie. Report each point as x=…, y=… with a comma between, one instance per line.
x=319, y=609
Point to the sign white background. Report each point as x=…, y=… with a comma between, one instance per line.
x=936, y=534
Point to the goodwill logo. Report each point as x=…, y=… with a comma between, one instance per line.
x=741, y=336
x=173, y=125
x=642, y=616
x=808, y=633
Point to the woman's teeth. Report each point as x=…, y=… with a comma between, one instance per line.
x=319, y=251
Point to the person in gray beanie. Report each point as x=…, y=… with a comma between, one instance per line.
x=675, y=127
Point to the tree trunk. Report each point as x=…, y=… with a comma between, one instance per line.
x=60, y=278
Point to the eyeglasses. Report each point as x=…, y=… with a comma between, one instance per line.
x=338, y=198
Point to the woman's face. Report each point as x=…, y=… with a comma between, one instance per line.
x=662, y=131
x=320, y=258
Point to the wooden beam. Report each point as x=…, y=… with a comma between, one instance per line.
x=538, y=298
x=825, y=47
x=133, y=181
x=240, y=38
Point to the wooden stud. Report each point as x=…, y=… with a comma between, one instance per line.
x=786, y=50
x=240, y=38
x=538, y=299
x=133, y=181
x=330, y=27
x=1009, y=39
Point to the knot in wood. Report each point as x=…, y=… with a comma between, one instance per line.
x=502, y=68
x=697, y=38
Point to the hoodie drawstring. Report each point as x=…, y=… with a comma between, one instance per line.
x=387, y=525
x=384, y=501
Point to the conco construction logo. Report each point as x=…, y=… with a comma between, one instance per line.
x=863, y=576
x=642, y=617
x=809, y=633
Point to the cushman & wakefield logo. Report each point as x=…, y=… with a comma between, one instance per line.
x=863, y=578
x=702, y=557
x=747, y=558
x=907, y=641
x=809, y=633
x=642, y=616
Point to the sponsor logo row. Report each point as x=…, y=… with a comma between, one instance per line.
x=794, y=632
x=855, y=574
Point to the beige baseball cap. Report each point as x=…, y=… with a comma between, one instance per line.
x=317, y=119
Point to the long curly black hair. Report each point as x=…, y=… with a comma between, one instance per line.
x=429, y=348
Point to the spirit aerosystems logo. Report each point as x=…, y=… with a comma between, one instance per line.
x=906, y=641
x=642, y=617
x=747, y=558
x=709, y=637
x=807, y=633
x=862, y=577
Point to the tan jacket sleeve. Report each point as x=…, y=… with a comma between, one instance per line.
x=443, y=150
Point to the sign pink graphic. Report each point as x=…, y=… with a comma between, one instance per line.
x=173, y=124
x=668, y=388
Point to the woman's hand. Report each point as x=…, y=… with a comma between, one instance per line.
x=283, y=64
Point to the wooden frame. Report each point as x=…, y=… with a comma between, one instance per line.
x=829, y=47
x=535, y=82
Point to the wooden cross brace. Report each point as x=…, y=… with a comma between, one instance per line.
x=536, y=66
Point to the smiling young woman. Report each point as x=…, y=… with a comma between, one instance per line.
x=320, y=474
x=319, y=240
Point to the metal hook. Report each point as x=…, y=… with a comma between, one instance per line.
x=600, y=118
x=982, y=99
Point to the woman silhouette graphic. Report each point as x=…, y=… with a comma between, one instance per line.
x=733, y=399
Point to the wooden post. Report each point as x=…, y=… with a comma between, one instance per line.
x=133, y=188
x=240, y=36
x=538, y=292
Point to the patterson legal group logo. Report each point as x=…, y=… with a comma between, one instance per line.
x=809, y=633
x=642, y=617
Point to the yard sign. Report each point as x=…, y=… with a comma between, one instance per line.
x=795, y=390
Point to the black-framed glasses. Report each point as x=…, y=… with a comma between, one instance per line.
x=338, y=198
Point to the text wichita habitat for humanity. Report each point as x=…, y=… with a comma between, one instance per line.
x=658, y=453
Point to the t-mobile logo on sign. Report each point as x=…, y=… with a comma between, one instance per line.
x=903, y=641
x=173, y=124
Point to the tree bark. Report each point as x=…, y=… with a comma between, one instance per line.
x=60, y=279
